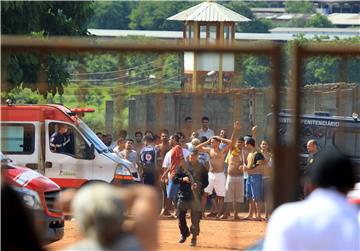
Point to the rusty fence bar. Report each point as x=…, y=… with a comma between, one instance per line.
x=286, y=171
x=300, y=53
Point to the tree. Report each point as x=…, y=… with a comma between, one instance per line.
x=319, y=21
x=253, y=26
x=254, y=70
x=43, y=19
x=111, y=15
x=240, y=8
x=303, y=6
x=298, y=22
x=326, y=69
x=149, y=15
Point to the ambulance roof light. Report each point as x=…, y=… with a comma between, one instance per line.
x=82, y=110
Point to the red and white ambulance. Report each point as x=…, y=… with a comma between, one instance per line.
x=25, y=137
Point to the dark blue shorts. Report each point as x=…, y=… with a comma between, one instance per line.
x=254, y=187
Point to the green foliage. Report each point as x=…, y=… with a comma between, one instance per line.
x=255, y=26
x=254, y=71
x=298, y=22
x=111, y=15
x=46, y=74
x=241, y=8
x=327, y=69
x=321, y=70
x=24, y=96
x=258, y=4
x=319, y=21
x=304, y=6
x=152, y=15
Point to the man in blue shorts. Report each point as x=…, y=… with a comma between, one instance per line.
x=254, y=185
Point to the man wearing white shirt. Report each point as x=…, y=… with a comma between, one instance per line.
x=205, y=130
x=325, y=220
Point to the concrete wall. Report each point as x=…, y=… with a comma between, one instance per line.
x=155, y=111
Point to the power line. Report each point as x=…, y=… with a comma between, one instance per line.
x=121, y=77
x=159, y=83
x=110, y=79
x=105, y=72
x=125, y=84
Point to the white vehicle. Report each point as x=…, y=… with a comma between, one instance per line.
x=25, y=136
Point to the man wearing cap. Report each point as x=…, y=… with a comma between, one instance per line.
x=325, y=220
x=200, y=170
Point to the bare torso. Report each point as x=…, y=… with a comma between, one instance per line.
x=216, y=161
x=235, y=164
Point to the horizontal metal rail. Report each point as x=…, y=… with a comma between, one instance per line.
x=101, y=45
x=286, y=172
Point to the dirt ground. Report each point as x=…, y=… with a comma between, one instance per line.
x=215, y=235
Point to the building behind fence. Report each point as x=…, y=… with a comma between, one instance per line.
x=155, y=111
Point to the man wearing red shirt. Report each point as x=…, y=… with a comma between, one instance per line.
x=177, y=159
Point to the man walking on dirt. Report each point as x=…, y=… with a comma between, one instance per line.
x=190, y=182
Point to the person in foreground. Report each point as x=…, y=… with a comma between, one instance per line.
x=325, y=220
x=112, y=218
x=189, y=178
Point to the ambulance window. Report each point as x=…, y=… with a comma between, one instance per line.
x=17, y=138
x=348, y=142
x=68, y=141
x=80, y=147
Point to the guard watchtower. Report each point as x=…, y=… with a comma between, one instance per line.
x=211, y=23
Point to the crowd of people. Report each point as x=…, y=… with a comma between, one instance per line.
x=194, y=168
x=228, y=159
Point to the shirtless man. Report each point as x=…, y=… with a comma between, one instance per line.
x=217, y=178
x=187, y=129
x=163, y=148
x=235, y=179
x=138, y=144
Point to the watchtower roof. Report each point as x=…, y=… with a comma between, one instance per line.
x=209, y=12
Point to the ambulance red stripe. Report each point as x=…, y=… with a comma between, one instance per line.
x=68, y=182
